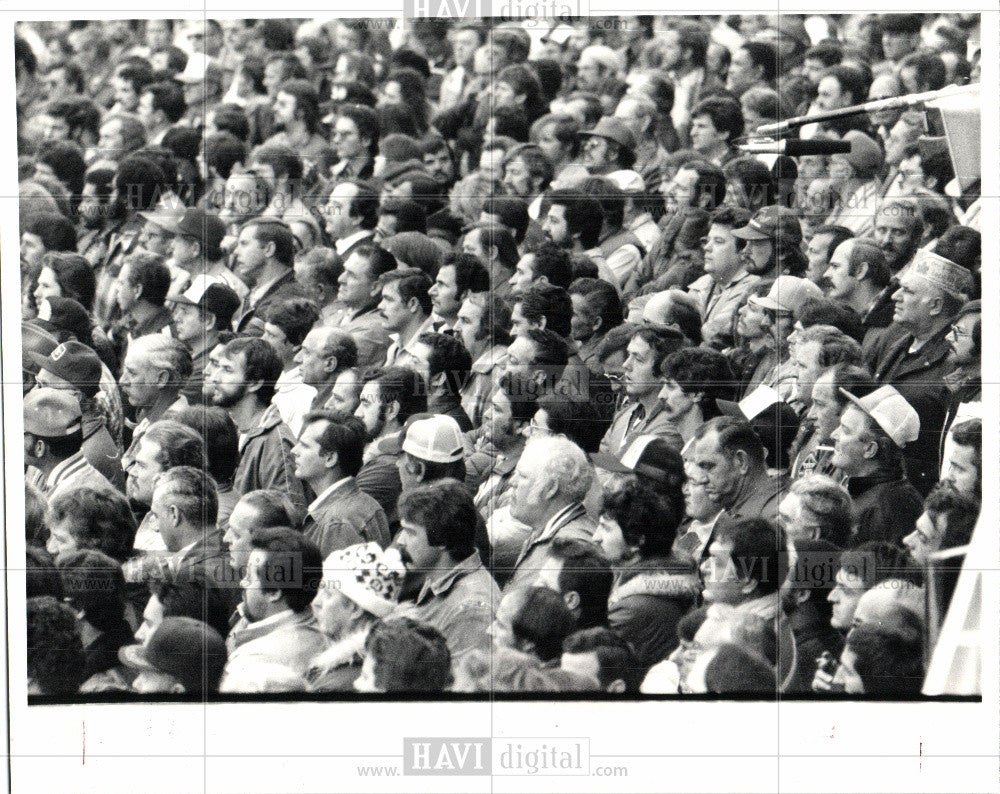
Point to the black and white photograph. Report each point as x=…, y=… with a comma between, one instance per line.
x=496, y=381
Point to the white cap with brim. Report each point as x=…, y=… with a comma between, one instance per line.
x=891, y=412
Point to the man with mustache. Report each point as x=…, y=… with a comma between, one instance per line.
x=446, y=585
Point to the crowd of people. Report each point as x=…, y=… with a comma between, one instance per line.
x=472, y=356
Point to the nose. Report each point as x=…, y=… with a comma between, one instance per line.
x=664, y=393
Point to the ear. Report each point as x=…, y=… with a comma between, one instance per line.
x=413, y=305
x=550, y=489
x=742, y=460
x=438, y=380
x=936, y=306
x=541, y=322
x=392, y=410
x=616, y=687
x=542, y=279
x=800, y=596
x=39, y=448
x=422, y=467
x=698, y=396
x=862, y=271
x=162, y=378
x=255, y=386
x=572, y=599
x=749, y=587
x=175, y=515
x=331, y=364
x=269, y=249
x=332, y=459
x=871, y=450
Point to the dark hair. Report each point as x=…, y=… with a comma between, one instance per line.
x=294, y=565
x=168, y=96
x=449, y=357
x=101, y=520
x=182, y=596
x=56, y=661
x=445, y=510
x=403, y=386
x=581, y=421
x=138, y=76
x=648, y=519
x=765, y=56
x=828, y=51
x=826, y=311
x=551, y=302
x=758, y=551
x=710, y=186
x=698, y=369
x=343, y=434
x=411, y=282
x=55, y=230
x=616, y=340
x=220, y=435
x=889, y=662
x=147, y=270
x=294, y=316
x=41, y=576
x=261, y=362
x=470, y=275
x=74, y=275
x=663, y=341
x=139, y=182
x=544, y=620
x=408, y=656
x=725, y=114
x=65, y=158
x=735, y=669
x=694, y=37
x=232, y=119
x=565, y=129
x=960, y=512
x=493, y=235
x=755, y=179
x=306, y=101
x=366, y=120
x=379, y=260
x=554, y=263
x=584, y=215
x=602, y=300
x=615, y=660
x=223, y=150
x=969, y=434
x=851, y=79
x=94, y=583
x=410, y=216
x=584, y=572
x=930, y=71
x=364, y=204
x=35, y=505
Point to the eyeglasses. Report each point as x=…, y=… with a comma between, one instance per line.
x=337, y=134
x=957, y=333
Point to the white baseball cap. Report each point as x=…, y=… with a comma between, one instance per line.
x=436, y=439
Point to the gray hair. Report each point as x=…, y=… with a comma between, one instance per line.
x=563, y=461
x=163, y=352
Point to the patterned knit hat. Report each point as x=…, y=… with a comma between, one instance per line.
x=370, y=577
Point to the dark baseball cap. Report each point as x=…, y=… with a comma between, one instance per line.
x=191, y=651
x=771, y=223
x=73, y=362
x=201, y=225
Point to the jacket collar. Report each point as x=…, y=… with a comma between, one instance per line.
x=438, y=587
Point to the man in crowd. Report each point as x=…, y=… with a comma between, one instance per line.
x=327, y=458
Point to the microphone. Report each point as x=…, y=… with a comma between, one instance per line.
x=793, y=147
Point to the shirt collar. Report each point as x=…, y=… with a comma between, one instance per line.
x=346, y=242
x=328, y=492
x=443, y=583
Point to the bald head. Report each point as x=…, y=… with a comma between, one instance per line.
x=880, y=606
x=325, y=353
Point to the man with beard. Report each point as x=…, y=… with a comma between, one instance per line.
x=773, y=236
x=138, y=185
x=327, y=457
x=93, y=213
x=574, y=223
x=388, y=399
x=446, y=584
x=965, y=340
x=264, y=258
x=243, y=383
x=609, y=146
